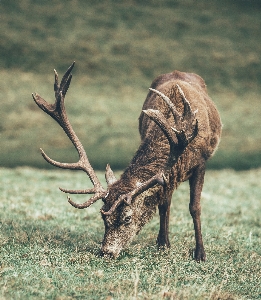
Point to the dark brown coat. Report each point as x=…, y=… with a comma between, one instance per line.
x=176, y=141
x=152, y=156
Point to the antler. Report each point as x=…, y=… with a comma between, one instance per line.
x=179, y=137
x=58, y=113
x=127, y=198
x=186, y=125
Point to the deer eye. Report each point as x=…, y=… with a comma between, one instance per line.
x=127, y=220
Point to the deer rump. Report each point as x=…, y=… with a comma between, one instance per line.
x=180, y=129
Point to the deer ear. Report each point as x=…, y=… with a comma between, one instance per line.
x=109, y=176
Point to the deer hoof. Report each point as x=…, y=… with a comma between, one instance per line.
x=163, y=243
x=200, y=255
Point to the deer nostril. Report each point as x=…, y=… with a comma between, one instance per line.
x=108, y=254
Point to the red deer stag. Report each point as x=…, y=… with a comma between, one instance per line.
x=180, y=129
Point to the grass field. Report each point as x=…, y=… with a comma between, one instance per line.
x=119, y=48
x=49, y=250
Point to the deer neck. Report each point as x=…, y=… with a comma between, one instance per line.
x=150, y=158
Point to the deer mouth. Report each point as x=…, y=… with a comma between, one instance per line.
x=110, y=252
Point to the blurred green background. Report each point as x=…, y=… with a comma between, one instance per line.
x=119, y=48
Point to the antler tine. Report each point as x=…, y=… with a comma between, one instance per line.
x=57, y=163
x=87, y=191
x=65, y=82
x=58, y=113
x=66, y=74
x=109, y=176
x=88, y=203
x=175, y=113
x=188, y=114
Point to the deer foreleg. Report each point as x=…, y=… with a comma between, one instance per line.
x=196, y=184
x=163, y=236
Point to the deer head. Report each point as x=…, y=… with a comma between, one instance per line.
x=128, y=204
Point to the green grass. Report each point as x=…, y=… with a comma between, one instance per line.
x=119, y=48
x=49, y=250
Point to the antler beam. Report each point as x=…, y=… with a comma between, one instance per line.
x=58, y=113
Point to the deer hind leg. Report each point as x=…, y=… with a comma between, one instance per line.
x=196, y=184
x=164, y=211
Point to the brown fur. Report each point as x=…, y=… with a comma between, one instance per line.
x=152, y=156
x=174, y=148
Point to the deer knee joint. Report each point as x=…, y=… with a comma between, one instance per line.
x=195, y=210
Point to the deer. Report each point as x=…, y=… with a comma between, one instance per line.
x=180, y=129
